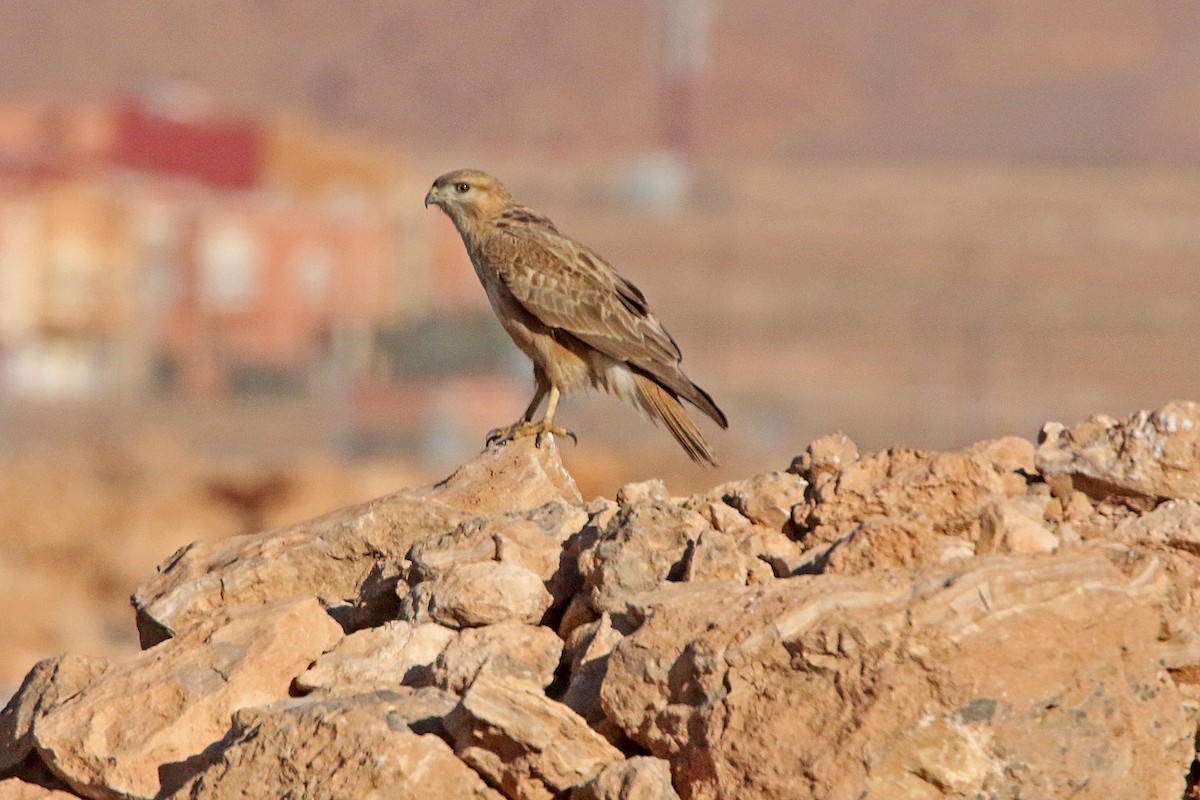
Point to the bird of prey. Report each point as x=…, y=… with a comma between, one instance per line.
x=581, y=323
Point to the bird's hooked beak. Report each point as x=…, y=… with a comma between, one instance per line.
x=432, y=197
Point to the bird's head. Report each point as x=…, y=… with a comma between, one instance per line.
x=468, y=194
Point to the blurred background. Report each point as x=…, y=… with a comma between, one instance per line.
x=223, y=306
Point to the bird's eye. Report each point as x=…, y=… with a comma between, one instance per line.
x=462, y=188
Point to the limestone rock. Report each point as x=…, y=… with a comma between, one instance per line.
x=482, y=593
x=356, y=746
x=16, y=789
x=886, y=510
x=528, y=653
x=169, y=703
x=896, y=676
x=1150, y=455
x=376, y=658
x=50, y=683
x=1175, y=523
x=331, y=557
x=639, y=778
x=531, y=539
x=640, y=547
x=590, y=647
x=507, y=478
x=643, y=492
x=714, y=555
x=897, y=625
x=1016, y=525
x=521, y=741
x=825, y=457
x=767, y=499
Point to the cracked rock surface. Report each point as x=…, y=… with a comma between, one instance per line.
x=1009, y=620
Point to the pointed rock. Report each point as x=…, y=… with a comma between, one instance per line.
x=168, y=704
x=639, y=778
x=331, y=557
x=523, y=742
x=380, y=658
x=1149, y=456
x=360, y=746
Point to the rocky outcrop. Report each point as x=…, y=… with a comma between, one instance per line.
x=1008, y=620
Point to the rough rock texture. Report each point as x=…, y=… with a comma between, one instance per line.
x=376, y=658
x=530, y=746
x=892, y=508
x=50, y=683
x=1150, y=455
x=528, y=653
x=331, y=557
x=639, y=778
x=171, y=702
x=868, y=665
x=482, y=593
x=17, y=789
x=348, y=747
x=995, y=622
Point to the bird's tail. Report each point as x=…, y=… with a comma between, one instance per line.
x=662, y=404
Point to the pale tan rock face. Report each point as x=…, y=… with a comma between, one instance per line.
x=1149, y=455
x=509, y=650
x=639, y=778
x=332, y=556
x=358, y=746
x=528, y=745
x=50, y=683
x=373, y=659
x=17, y=789
x=980, y=623
x=482, y=593
x=888, y=509
x=961, y=679
x=171, y=702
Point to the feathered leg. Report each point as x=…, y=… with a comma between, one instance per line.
x=526, y=426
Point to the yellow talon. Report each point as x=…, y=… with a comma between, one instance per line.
x=523, y=429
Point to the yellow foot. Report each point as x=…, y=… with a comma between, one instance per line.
x=522, y=429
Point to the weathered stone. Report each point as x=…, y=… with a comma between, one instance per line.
x=532, y=539
x=507, y=649
x=826, y=456
x=16, y=789
x=772, y=548
x=886, y=510
x=170, y=702
x=1175, y=523
x=481, y=593
x=911, y=675
x=641, y=546
x=516, y=476
x=642, y=492
x=1015, y=525
x=715, y=556
x=331, y=557
x=590, y=645
x=767, y=499
x=905, y=624
x=1146, y=457
x=639, y=778
x=521, y=741
x=50, y=683
x=376, y=658
x=347, y=747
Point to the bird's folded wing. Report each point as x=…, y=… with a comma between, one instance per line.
x=567, y=286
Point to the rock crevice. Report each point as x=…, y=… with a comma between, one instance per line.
x=1013, y=619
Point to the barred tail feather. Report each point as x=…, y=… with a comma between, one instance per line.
x=662, y=404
